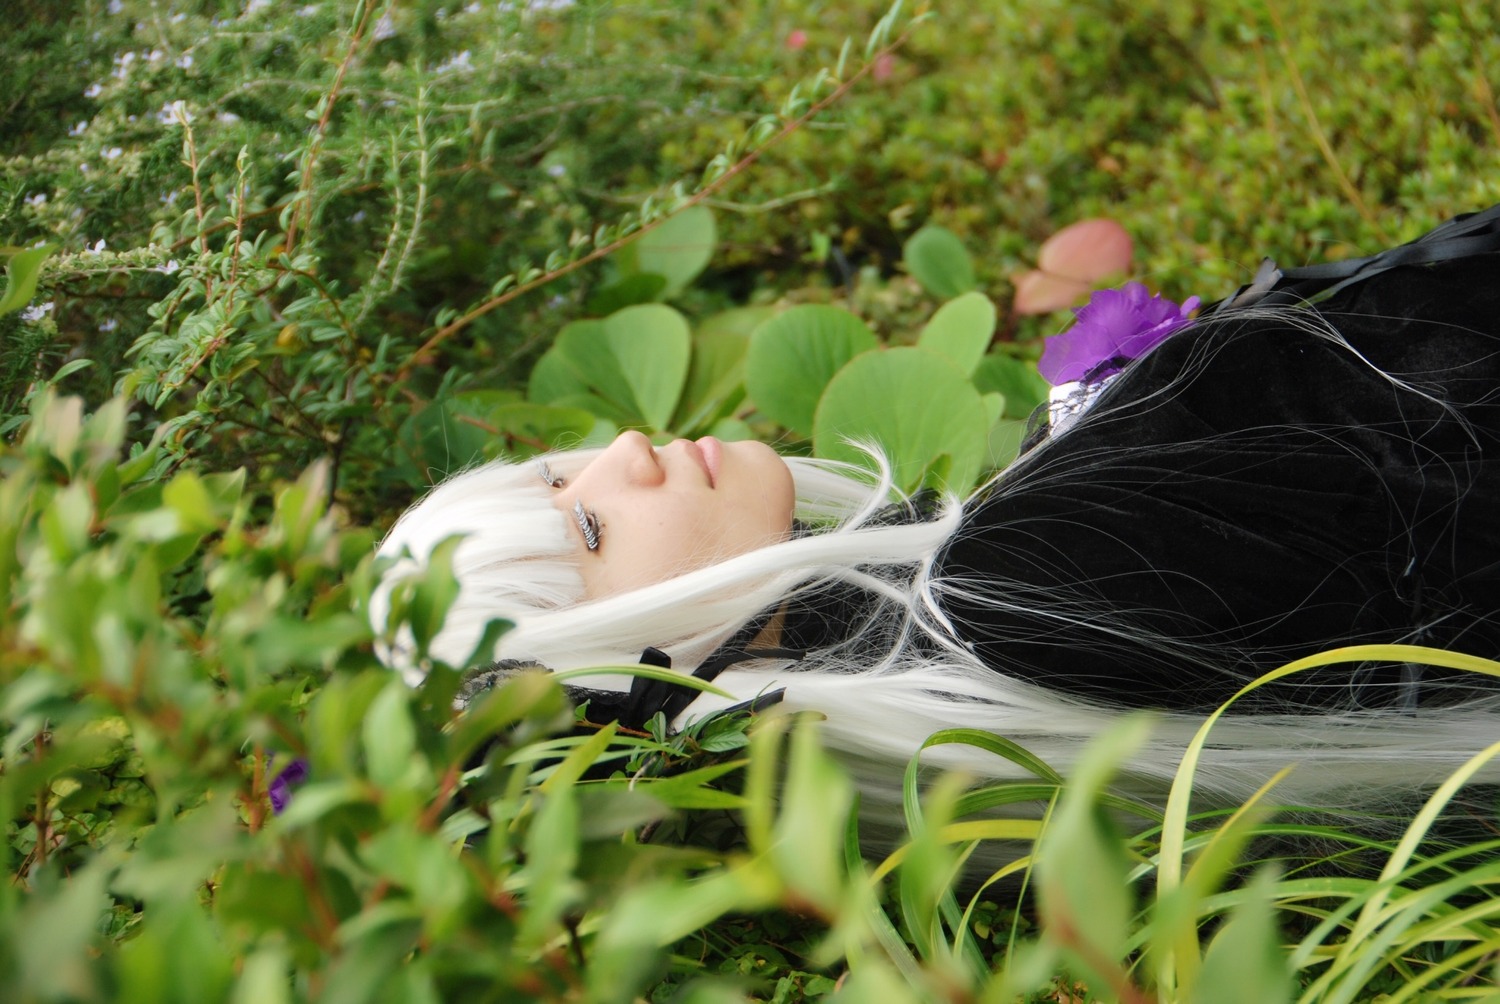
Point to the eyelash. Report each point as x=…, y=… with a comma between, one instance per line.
x=588, y=525
x=548, y=478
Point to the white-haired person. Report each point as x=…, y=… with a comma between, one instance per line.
x=1312, y=463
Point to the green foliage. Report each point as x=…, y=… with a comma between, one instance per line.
x=945, y=409
x=312, y=214
x=293, y=257
x=936, y=258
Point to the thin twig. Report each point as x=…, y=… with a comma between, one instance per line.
x=305, y=187
x=1319, y=135
x=454, y=327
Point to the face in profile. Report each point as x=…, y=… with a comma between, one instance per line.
x=656, y=512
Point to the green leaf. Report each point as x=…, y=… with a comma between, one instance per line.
x=189, y=498
x=551, y=859
x=794, y=355
x=1245, y=963
x=390, y=737
x=263, y=977
x=22, y=272
x=715, y=383
x=1085, y=897
x=1017, y=380
x=626, y=291
x=635, y=360
x=54, y=937
x=809, y=832
x=915, y=406
x=449, y=434
x=524, y=696
x=961, y=330
x=938, y=260
x=677, y=250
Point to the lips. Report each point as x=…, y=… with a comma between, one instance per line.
x=711, y=451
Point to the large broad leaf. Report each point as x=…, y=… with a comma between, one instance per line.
x=636, y=360
x=677, y=250
x=915, y=406
x=445, y=437
x=961, y=330
x=1023, y=388
x=555, y=377
x=715, y=383
x=526, y=427
x=794, y=355
x=938, y=260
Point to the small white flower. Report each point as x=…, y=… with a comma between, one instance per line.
x=37, y=312
x=111, y=153
x=169, y=267
x=178, y=18
x=256, y=6
x=227, y=118
x=83, y=168
x=307, y=11
x=155, y=56
x=185, y=61
x=461, y=62
x=108, y=324
x=78, y=129
x=385, y=28
x=96, y=247
x=358, y=217
x=556, y=170
x=174, y=112
x=116, y=6
x=93, y=90
x=37, y=201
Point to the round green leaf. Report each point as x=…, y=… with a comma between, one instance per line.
x=961, y=330
x=636, y=360
x=677, y=250
x=794, y=355
x=554, y=376
x=938, y=260
x=715, y=383
x=1017, y=380
x=915, y=406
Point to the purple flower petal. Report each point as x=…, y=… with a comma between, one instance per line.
x=290, y=776
x=1115, y=324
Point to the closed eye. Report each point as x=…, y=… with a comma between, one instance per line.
x=551, y=480
x=588, y=525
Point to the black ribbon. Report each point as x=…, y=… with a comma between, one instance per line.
x=634, y=708
x=1465, y=234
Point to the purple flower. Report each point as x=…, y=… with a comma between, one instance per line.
x=292, y=775
x=1115, y=326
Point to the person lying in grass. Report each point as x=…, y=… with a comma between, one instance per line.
x=1205, y=500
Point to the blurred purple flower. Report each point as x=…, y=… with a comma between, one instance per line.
x=290, y=776
x=1115, y=326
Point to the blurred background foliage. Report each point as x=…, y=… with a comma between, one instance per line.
x=302, y=259
x=343, y=182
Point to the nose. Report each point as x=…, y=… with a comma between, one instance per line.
x=641, y=464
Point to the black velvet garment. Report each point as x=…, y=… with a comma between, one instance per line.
x=1251, y=492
